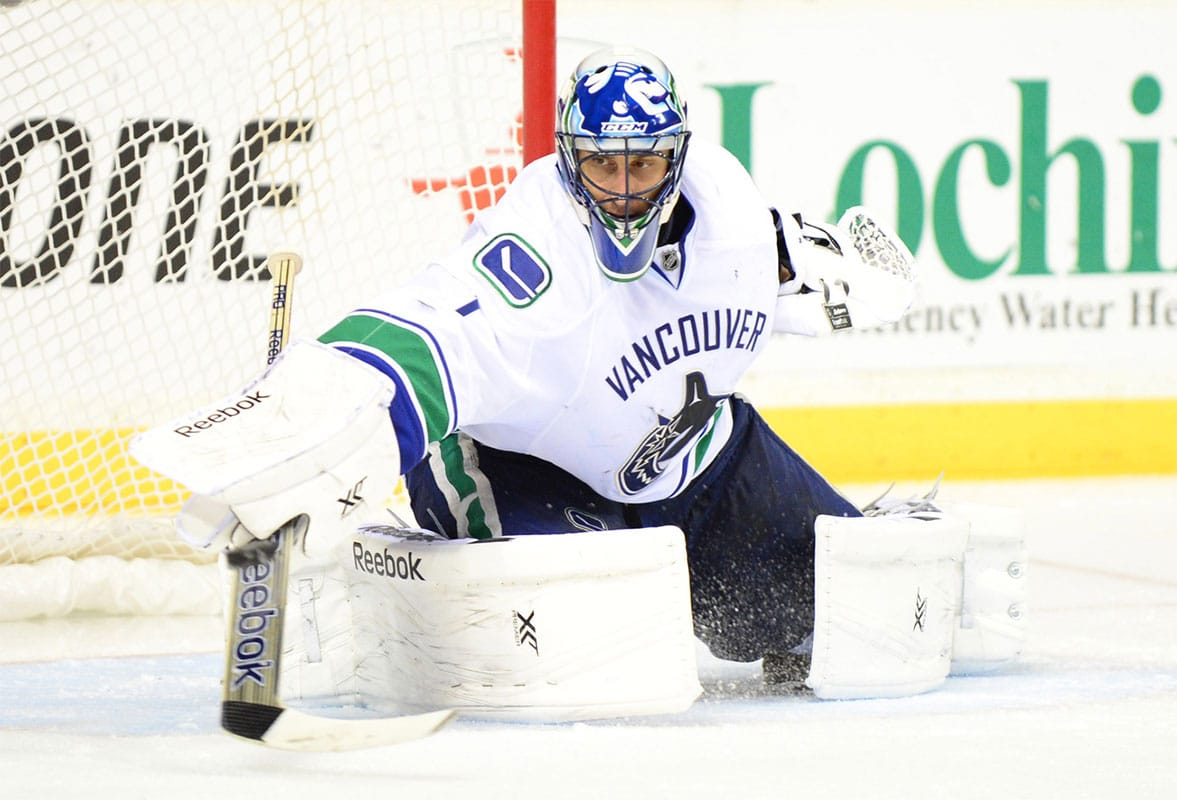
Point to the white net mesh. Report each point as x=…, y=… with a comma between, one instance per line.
x=151, y=154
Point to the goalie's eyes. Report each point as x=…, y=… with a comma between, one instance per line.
x=615, y=163
x=642, y=170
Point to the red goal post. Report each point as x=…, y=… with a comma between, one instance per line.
x=151, y=156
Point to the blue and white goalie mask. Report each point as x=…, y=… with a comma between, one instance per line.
x=622, y=138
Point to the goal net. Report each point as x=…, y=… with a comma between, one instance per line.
x=152, y=153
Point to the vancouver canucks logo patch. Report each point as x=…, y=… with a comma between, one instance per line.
x=670, y=438
x=514, y=268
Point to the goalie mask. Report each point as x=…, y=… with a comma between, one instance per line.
x=621, y=136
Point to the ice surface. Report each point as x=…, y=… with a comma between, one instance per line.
x=126, y=708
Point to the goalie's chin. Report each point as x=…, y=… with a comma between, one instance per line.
x=623, y=259
x=626, y=211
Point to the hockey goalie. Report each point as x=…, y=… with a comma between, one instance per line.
x=590, y=495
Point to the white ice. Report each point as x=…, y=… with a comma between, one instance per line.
x=127, y=708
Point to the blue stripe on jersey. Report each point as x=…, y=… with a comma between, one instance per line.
x=451, y=397
x=438, y=354
x=406, y=419
x=425, y=406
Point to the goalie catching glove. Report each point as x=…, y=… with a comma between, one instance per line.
x=309, y=438
x=854, y=274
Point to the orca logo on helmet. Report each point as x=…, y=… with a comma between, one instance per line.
x=625, y=93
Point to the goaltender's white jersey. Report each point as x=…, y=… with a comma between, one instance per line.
x=518, y=339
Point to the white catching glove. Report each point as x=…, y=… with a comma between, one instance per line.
x=311, y=437
x=853, y=274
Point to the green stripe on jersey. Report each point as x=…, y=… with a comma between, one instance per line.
x=453, y=462
x=412, y=352
x=705, y=440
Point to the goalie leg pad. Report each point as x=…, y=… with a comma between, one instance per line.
x=540, y=628
x=887, y=599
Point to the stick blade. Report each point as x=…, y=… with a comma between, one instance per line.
x=287, y=729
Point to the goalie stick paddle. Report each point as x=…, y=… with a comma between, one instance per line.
x=251, y=707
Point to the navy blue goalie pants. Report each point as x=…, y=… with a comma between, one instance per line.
x=748, y=521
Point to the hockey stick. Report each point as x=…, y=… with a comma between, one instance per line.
x=251, y=707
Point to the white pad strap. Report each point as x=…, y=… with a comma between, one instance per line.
x=993, y=617
x=536, y=628
x=887, y=599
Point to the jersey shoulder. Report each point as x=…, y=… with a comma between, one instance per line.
x=728, y=203
x=528, y=252
x=534, y=201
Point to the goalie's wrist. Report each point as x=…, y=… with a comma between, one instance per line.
x=795, y=285
x=207, y=523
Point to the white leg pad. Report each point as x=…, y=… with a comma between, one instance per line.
x=887, y=599
x=530, y=628
x=993, y=617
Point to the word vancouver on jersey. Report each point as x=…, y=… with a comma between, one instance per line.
x=730, y=328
